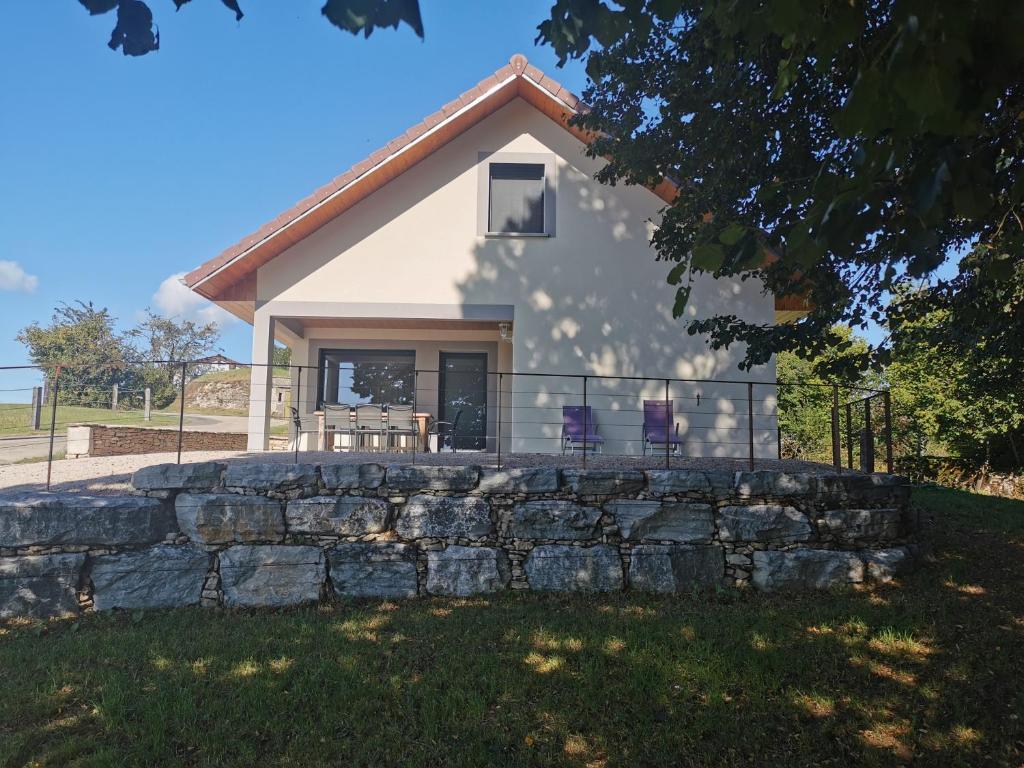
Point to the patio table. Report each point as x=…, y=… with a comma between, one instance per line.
x=422, y=424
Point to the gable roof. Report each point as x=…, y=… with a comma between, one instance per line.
x=229, y=278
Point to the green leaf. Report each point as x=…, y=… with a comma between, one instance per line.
x=682, y=297
x=707, y=257
x=732, y=234
x=675, y=275
x=363, y=16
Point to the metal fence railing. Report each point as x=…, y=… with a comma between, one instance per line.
x=180, y=411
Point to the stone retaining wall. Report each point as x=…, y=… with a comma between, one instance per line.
x=88, y=440
x=278, y=534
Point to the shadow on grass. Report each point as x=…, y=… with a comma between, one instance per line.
x=925, y=671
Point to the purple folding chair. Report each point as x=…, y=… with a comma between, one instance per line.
x=578, y=429
x=658, y=426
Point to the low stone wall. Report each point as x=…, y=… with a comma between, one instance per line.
x=278, y=534
x=88, y=440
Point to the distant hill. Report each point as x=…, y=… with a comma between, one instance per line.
x=226, y=393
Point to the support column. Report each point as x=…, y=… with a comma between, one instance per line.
x=261, y=380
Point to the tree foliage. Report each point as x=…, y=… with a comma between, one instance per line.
x=836, y=150
x=805, y=399
x=93, y=355
x=954, y=400
x=85, y=340
x=136, y=33
x=162, y=343
x=282, y=357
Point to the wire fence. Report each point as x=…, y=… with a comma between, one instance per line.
x=175, y=410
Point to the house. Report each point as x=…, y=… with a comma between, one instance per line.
x=218, y=362
x=479, y=243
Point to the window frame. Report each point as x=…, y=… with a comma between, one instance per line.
x=485, y=159
x=322, y=367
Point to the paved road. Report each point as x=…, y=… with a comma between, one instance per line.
x=15, y=449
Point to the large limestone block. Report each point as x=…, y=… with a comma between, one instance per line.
x=404, y=477
x=771, y=483
x=227, y=518
x=672, y=482
x=40, y=586
x=201, y=476
x=863, y=524
x=806, y=569
x=566, y=568
x=663, y=521
x=603, y=482
x=763, y=522
x=463, y=571
x=163, y=576
x=553, y=519
x=526, y=480
x=444, y=516
x=337, y=515
x=271, y=478
x=669, y=568
x=346, y=477
x=56, y=519
x=373, y=570
x=274, y=576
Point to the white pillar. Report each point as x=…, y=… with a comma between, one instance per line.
x=261, y=381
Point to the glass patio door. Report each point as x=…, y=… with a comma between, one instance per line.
x=463, y=393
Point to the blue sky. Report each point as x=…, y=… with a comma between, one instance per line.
x=119, y=172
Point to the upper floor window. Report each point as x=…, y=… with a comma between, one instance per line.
x=516, y=194
x=516, y=198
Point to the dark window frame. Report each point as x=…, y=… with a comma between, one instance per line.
x=516, y=172
x=484, y=162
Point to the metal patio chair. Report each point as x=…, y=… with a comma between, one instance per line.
x=401, y=428
x=579, y=430
x=660, y=428
x=446, y=432
x=338, y=421
x=370, y=426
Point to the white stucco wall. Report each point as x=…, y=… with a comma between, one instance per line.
x=592, y=299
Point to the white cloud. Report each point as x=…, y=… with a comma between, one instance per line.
x=14, y=278
x=174, y=299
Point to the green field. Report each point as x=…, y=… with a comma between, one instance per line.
x=14, y=418
x=926, y=672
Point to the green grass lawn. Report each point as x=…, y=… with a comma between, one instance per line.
x=930, y=671
x=14, y=418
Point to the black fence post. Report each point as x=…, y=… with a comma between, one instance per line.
x=181, y=410
x=297, y=405
x=497, y=447
x=668, y=423
x=415, y=406
x=53, y=423
x=837, y=460
x=887, y=405
x=586, y=425
x=867, y=447
x=750, y=422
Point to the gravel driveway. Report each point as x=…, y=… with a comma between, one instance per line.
x=112, y=474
